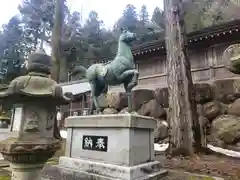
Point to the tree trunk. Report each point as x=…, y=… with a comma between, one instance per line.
x=56, y=39
x=56, y=50
x=185, y=136
x=63, y=76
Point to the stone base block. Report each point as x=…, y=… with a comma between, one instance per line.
x=72, y=168
x=26, y=171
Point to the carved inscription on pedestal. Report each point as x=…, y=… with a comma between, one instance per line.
x=95, y=143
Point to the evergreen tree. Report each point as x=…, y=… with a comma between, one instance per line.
x=37, y=18
x=12, y=50
x=143, y=15
x=129, y=20
x=158, y=17
x=92, y=28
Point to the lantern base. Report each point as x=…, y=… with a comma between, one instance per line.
x=26, y=171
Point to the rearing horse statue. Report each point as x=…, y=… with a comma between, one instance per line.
x=122, y=70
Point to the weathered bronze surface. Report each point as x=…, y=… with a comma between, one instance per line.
x=122, y=70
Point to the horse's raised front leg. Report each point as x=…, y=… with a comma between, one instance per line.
x=127, y=74
x=94, y=96
x=131, y=78
x=129, y=83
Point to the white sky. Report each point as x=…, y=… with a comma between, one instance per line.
x=109, y=10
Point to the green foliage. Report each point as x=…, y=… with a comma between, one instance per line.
x=158, y=17
x=37, y=17
x=204, y=13
x=129, y=20
x=11, y=50
x=143, y=15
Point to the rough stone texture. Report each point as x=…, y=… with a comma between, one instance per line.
x=204, y=92
x=212, y=110
x=26, y=171
x=152, y=109
x=61, y=173
x=224, y=108
x=226, y=128
x=162, y=96
x=234, y=108
x=110, y=111
x=102, y=101
x=231, y=58
x=161, y=132
x=116, y=100
x=142, y=171
x=217, y=99
x=140, y=97
x=227, y=90
x=124, y=110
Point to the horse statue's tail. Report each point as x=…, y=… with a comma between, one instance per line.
x=79, y=69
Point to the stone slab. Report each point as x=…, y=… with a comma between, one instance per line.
x=129, y=143
x=70, y=168
x=111, y=120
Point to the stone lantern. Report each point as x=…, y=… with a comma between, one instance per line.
x=34, y=97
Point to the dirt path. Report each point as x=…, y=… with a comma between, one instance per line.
x=218, y=166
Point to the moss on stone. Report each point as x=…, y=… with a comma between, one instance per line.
x=53, y=161
x=5, y=178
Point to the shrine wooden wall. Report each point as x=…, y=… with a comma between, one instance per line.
x=206, y=63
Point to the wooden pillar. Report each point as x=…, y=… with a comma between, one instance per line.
x=211, y=57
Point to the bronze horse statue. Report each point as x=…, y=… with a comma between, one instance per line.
x=121, y=70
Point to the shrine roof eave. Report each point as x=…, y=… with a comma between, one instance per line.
x=76, y=87
x=204, y=35
x=208, y=35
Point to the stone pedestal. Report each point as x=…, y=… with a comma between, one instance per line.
x=110, y=147
x=26, y=171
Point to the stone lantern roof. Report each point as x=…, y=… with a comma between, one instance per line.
x=36, y=83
